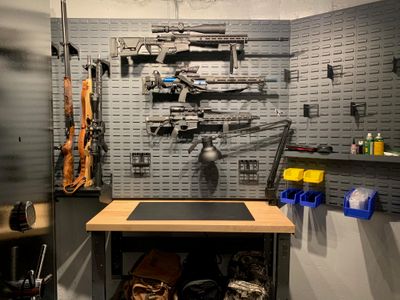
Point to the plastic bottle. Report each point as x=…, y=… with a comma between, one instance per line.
x=353, y=149
x=378, y=145
x=360, y=149
x=369, y=145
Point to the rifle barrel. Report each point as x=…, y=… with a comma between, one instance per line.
x=268, y=39
x=97, y=110
x=64, y=24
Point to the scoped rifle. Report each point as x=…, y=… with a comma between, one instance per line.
x=187, y=81
x=85, y=137
x=188, y=119
x=97, y=127
x=175, y=41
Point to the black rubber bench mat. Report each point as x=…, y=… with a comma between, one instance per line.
x=191, y=211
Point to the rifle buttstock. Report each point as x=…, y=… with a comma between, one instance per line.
x=68, y=167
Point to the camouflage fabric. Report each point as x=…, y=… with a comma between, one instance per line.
x=239, y=289
x=144, y=289
x=249, y=266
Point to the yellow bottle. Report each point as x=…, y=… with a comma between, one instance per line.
x=378, y=145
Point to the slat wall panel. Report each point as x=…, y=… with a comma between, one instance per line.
x=174, y=172
x=363, y=40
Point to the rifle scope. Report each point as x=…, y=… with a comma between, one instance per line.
x=181, y=28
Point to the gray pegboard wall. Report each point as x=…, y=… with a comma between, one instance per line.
x=173, y=172
x=363, y=41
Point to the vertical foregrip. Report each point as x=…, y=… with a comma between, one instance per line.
x=67, y=148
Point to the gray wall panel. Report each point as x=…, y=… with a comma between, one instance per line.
x=363, y=40
x=174, y=173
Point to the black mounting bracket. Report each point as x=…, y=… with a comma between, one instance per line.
x=105, y=67
x=73, y=50
x=358, y=109
x=311, y=110
x=396, y=65
x=290, y=75
x=334, y=71
x=55, y=50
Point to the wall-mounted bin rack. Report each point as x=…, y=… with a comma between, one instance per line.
x=291, y=196
x=293, y=174
x=311, y=198
x=359, y=213
x=248, y=171
x=313, y=176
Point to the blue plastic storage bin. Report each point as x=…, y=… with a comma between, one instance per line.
x=365, y=214
x=291, y=195
x=311, y=198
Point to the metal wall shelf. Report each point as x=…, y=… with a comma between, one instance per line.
x=339, y=156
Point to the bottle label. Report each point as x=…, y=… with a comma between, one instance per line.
x=378, y=148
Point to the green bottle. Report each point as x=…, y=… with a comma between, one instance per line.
x=369, y=145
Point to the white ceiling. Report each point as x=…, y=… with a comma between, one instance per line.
x=201, y=9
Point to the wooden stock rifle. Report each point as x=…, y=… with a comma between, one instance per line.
x=67, y=147
x=85, y=137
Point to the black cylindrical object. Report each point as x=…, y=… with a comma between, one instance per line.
x=180, y=27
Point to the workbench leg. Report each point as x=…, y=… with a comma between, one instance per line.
x=282, y=266
x=116, y=255
x=98, y=265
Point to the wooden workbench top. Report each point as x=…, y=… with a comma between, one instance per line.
x=268, y=219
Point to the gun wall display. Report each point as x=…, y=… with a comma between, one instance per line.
x=142, y=121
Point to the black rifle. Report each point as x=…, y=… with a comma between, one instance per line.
x=97, y=127
x=171, y=43
x=187, y=81
x=189, y=119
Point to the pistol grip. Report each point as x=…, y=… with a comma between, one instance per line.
x=182, y=95
x=161, y=56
